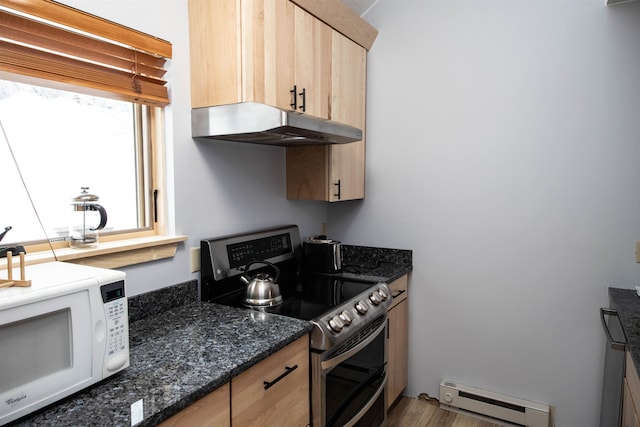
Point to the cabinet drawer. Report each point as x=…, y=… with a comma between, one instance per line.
x=275, y=391
x=399, y=290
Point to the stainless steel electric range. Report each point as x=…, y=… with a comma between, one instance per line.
x=349, y=317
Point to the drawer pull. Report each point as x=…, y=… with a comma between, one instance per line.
x=303, y=94
x=338, y=193
x=287, y=371
x=400, y=292
x=294, y=98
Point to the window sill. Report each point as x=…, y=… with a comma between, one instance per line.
x=110, y=254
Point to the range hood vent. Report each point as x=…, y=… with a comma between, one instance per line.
x=263, y=124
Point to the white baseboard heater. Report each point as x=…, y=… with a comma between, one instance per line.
x=495, y=407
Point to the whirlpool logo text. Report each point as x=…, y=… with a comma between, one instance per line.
x=13, y=401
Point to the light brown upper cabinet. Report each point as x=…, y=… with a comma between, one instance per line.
x=267, y=51
x=335, y=172
x=313, y=64
x=296, y=55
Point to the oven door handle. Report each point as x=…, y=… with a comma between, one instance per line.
x=369, y=404
x=327, y=365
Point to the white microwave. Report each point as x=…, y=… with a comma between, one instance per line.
x=65, y=332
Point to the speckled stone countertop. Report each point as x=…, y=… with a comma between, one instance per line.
x=375, y=264
x=181, y=349
x=176, y=358
x=627, y=303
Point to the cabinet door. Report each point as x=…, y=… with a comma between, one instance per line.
x=215, y=47
x=268, y=54
x=397, y=351
x=213, y=410
x=348, y=99
x=629, y=416
x=286, y=401
x=631, y=394
x=312, y=63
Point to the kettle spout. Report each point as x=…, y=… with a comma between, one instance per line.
x=244, y=279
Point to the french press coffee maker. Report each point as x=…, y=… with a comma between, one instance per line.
x=88, y=219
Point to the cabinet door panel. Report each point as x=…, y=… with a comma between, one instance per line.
x=631, y=394
x=397, y=351
x=313, y=63
x=215, y=45
x=308, y=173
x=285, y=403
x=268, y=51
x=629, y=416
x=348, y=98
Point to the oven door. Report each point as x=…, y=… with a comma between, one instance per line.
x=349, y=382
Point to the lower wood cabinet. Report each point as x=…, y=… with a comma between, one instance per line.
x=397, y=340
x=275, y=392
x=631, y=393
x=213, y=410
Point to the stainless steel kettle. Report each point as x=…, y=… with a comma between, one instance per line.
x=262, y=289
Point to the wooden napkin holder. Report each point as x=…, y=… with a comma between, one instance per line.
x=10, y=281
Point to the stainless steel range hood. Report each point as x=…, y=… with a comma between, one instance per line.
x=263, y=124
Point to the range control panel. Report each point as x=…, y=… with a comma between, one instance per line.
x=226, y=256
x=241, y=254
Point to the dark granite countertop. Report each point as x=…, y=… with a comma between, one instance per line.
x=375, y=264
x=181, y=349
x=627, y=304
x=176, y=359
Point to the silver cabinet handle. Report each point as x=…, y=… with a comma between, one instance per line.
x=616, y=345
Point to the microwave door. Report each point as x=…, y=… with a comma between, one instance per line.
x=40, y=354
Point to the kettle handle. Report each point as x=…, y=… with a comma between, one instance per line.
x=275, y=268
x=103, y=215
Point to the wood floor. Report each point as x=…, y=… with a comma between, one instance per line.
x=424, y=412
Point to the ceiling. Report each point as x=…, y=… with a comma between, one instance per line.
x=360, y=6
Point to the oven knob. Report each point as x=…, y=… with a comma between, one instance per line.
x=383, y=294
x=361, y=306
x=336, y=324
x=375, y=298
x=346, y=317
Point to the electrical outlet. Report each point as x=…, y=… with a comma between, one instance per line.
x=195, y=259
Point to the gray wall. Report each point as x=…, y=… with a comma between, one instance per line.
x=504, y=149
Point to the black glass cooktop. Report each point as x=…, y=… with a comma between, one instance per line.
x=307, y=300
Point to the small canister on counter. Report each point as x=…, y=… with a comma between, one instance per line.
x=321, y=255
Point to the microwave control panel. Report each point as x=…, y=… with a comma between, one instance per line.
x=115, y=306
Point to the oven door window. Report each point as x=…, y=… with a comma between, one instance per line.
x=352, y=384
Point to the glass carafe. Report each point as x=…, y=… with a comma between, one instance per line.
x=88, y=219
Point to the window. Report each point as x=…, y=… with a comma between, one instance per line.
x=81, y=105
x=62, y=141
